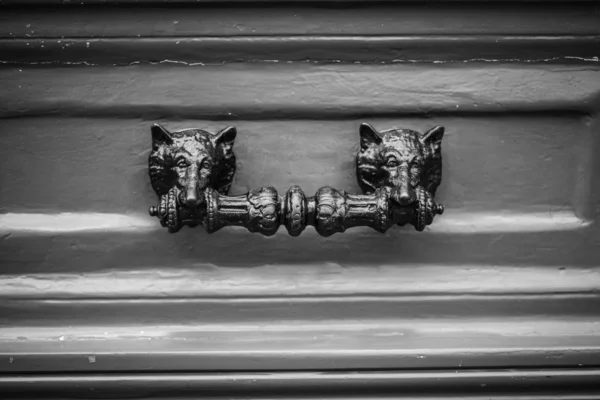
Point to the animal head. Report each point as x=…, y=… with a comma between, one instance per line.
x=401, y=159
x=191, y=159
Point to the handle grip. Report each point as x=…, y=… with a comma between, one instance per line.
x=330, y=211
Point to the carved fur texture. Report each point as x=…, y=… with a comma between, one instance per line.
x=191, y=160
x=401, y=159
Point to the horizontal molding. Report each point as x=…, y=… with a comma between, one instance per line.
x=127, y=306
x=291, y=334
x=201, y=279
x=198, y=19
x=306, y=351
x=295, y=91
x=572, y=384
x=330, y=332
x=153, y=261
x=332, y=49
x=454, y=222
x=161, y=2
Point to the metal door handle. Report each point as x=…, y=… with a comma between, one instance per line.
x=398, y=170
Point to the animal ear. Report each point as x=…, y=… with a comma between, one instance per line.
x=433, y=136
x=160, y=135
x=368, y=136
x=225, y=136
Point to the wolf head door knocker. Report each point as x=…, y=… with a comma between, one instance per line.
x=183, y=164
x=398, y=170
x=408, y=164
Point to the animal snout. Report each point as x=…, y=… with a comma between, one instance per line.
x=406, y=196
x=191, y=197
x=403, y=193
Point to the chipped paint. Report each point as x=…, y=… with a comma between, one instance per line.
x=310, y=61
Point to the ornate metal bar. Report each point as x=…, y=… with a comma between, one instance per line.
x=399, y=170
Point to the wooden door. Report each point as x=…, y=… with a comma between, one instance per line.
x=498, y=297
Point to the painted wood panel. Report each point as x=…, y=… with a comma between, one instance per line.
x=507, y=278
x=499, y=384
x=427, y=18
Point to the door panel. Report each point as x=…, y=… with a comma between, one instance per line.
x=503, y=284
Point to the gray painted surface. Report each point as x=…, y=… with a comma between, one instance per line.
x=507, y=278
x=437, y=18
x=499, y=384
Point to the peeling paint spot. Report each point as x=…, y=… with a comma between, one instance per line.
x=594, y=59
x=91, y=359
x=10, y=360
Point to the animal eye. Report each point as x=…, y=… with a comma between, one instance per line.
x=392, y=163
x=182, y=163
x=206, y=164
